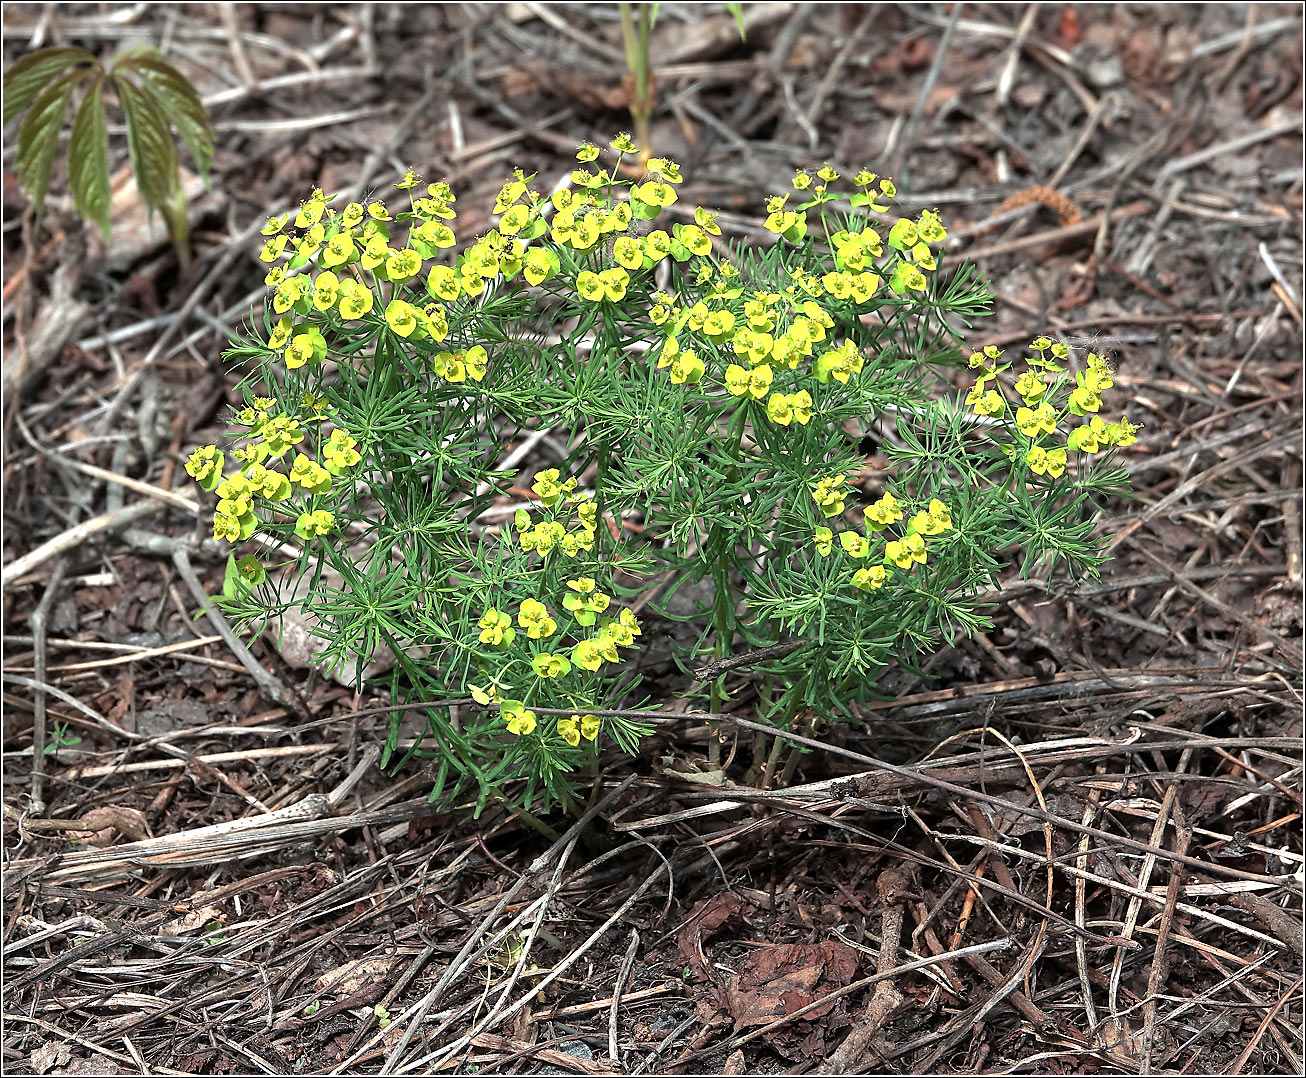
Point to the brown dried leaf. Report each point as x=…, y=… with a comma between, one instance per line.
x=779, y=981
x=706, y=918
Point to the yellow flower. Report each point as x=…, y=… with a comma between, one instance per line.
x=273, y=249
x=589, y=286
x=1089, y=437
x=903, y=554
x=587, y=655
x=754, y=383
x=870, y=578
x=706, y=220
x=883, y=512
x=310, y=475
x=1030, y=385
x=829, y=496
x=654, y=193
x=569, y=730
x=401, y=317
x=1123, y=433
x=628, y=252
x=839, y=285
x=442, y=283
x=686, y=368
x=547, y=665
x=318, y=522
x=540, y=265
x=718, y=325
x=519, y=719
x=496, y=629
x=614, y=282
x=589, y=727
x=1032, y=422
x=1046, y=461
x=854, y=545
x=801, y=403
x=823, y=538
x=695, y=240
x=583, y=601
x=403, y=265
x=779, y=409
x=534, y=618
x=839, y=363
x=547, y=487
x=355, y=301
x=988, y=403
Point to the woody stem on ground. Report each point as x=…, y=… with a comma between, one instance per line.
x=635, y=38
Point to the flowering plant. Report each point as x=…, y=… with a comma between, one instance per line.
x=720, y=401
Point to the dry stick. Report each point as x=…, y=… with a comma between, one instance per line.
x=1279, y=644
x=135, y=656
x=1090, y=125
x=251, y=836
x=963, y=1023
x=831, y=76
x=269, y=684
x=39, y=621
x=542, y=902
x=1129, y=889
x=276, y=752
x=1184, y=936
x=902, y=145
x=1255, y=452
x=893, y=887
x=75, y=536
x=465, y=956
x=999, y=802
x=1056, y=235
x=766, y=77
x=614, y=1052
x=1273, y=917
x=1159, y=964
x=1081, y=920
x=1242, y=1059
x=437, y=1059
x=1006, y=79
x=239, y=58
x=1183, y=164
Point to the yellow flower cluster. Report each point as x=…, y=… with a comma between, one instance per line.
x=271, y=438
x=1038, y=416
x=522, y=721
x=902, y=553
x=548, y=535
x=773, y=332
x=584, y=602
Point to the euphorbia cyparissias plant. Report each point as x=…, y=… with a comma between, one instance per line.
x=724, y=419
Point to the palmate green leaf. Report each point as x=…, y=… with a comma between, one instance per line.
x=88, y=159
x=26, y=78
x=149, y=140
x=38, y=137
x=177, y=100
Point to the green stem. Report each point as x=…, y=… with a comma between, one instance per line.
x=723, y=606
x=635, y=39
